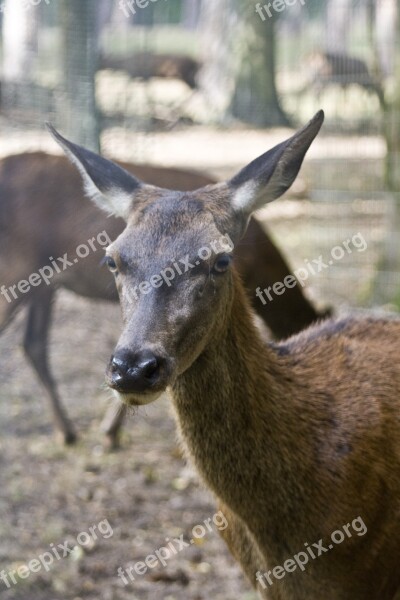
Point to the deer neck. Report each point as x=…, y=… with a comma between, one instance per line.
x=234, y=413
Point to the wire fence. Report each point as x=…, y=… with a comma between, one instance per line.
x=165, y=67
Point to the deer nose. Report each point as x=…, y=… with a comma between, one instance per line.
x=129, y=372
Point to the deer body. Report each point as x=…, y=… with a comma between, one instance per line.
x=290, y=461
x=341, y=69
x=295, y=439
x=145, y=65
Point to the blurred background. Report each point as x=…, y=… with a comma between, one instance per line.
x=198, y=84
x=191, y=84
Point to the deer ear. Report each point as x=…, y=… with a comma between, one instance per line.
x=108, y=185
x=270, y=175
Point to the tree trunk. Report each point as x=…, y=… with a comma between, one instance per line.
x=105, y=11
x=386, y=34
x=238, y=77
x=216, y=79
x=191, y=10
x=255, y=99
x=20, y=30
x=386, y=287
x=80, y=61
x=337, y=23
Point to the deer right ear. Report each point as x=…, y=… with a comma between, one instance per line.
x=271, y=174
x=108, y=185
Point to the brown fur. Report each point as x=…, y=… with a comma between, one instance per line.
x=300, y=460
x=296, y=439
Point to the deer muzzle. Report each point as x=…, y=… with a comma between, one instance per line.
x=138, y=377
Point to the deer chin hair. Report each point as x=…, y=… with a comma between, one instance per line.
x=139, y=399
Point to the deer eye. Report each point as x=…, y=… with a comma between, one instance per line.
x=222, y=263
x=111, y=264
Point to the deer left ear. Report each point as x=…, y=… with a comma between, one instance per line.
x=107, y=184
x=270, y=175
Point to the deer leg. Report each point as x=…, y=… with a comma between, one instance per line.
x=35, y=346
x=8, y=310
x=6, y=316
x=112, y=422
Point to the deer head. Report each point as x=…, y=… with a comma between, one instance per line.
x=172, y=263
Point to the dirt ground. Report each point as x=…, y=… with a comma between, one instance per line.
x=145, y=491
x=49, y=494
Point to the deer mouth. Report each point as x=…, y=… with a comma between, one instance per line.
x=130, y=399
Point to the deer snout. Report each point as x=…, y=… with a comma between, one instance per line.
x=130, y=372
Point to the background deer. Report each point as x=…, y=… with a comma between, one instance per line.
x=145, y=65
x=295, y=438
x=42, y=215
x=331, y=68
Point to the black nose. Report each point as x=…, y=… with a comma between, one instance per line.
x=129, y=372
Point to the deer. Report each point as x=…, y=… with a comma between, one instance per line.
x=145, y=65
x=331, y=68
x=294, y=438
x=29, y=184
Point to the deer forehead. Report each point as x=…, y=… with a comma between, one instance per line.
x=170, y=226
